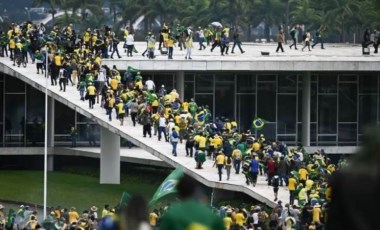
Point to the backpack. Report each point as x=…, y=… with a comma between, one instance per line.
x=304, y=37
x=275, y=182
x=229, y=161
x=292, y=33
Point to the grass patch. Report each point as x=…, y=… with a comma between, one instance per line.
x=67, y=189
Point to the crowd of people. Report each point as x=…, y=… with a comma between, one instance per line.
x=78, y=60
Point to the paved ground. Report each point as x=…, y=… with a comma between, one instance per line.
x=208, y=175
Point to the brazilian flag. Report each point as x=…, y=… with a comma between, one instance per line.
x=124, y=199
x=258, y=123
x=169, y=186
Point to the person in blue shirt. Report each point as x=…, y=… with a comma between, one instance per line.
x=254, y=170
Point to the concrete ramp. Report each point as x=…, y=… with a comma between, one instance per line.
x=207, y=176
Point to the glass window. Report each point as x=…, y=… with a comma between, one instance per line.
x=164, y=79
x=352, y=78
x=14, y=119
x=35, y=133
x=367, y=111
x=224, y=99
x=347, y=102
x=1, y=101
x=327, y=140
x=189, y=90
x=288, y=140
x=286, y=114
x=328, y=83
x=287, y=83
x=368, y=83
x=269, y=131
x=347, y=133
x=35, y=109
x=189, y=77
x=14, y=85
x=64, y=118
x=327, y=118
x=266, y=101
x=204, y=83
x=203, y=100
x=1, y=134
x=267, y=77
x=246, y=111
x=224, y=77
x=83, y=119
x=246, y=83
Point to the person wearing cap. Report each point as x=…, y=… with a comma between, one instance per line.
x=94, y=212
x=162, y=91
x=91, y=94
x=147, y=38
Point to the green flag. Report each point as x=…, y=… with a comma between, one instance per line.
x=168, y=186
x=124, y=199
x=258, y=123
x=132, y=70
x=10, y=220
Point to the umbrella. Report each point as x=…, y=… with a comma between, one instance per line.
x=217, y=24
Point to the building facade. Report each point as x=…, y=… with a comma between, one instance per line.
x=341, y=105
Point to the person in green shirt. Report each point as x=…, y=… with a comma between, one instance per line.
x=190, y=214
x=3, y=44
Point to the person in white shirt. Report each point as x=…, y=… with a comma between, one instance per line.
x=149, y=84
x=130, y=43
x=162, y=127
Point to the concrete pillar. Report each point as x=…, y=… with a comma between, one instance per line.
x=180, y=84
x=109, y=157
x=306, y=97
x=50, y=122
x=50, y=163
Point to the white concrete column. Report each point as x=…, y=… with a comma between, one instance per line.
x=50, y=121
x=50, y=163
x=109, y=157
x=180, y=84
x=306, y=98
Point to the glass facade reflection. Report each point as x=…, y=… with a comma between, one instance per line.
x=342, y=105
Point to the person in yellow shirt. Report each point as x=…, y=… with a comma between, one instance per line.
x=303, y=175
x=73, y=215
x=12, y=46
x=219, y=163
x=153, y=219
x=170, y=44
x=185, y=106
x=240, y=219
x=317, y=214
x=189, y=46
x=201, y=142
x=228, y=165
x=227, y=221
x=292, y=185
x=91, y=94
x=121, y=111
x=105, y=210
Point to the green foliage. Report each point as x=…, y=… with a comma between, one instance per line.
x=342, y=17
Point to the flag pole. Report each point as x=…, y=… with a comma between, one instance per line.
x=46, y=133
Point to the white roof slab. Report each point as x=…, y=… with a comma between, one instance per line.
x=336, y=57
